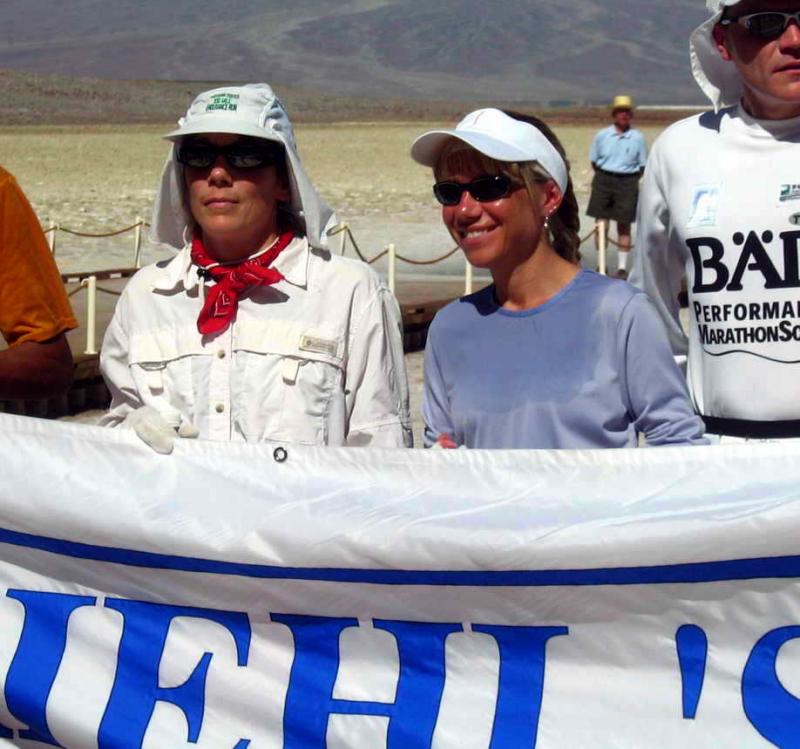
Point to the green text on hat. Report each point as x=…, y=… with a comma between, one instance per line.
x=223, y=103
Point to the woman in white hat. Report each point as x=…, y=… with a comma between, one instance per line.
x=550, y=355
x=254, y=331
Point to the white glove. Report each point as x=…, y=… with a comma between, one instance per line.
x=157, y=431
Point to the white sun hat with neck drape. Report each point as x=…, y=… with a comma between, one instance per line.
x=252, y=110
x=718, y=78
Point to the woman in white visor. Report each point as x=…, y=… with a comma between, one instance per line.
x=549, y=355
x=254, y=331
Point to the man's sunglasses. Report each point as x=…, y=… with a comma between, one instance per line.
x=768, y=24
x=483, y=189
x=238, y=155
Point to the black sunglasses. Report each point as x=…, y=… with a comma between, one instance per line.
x=768, y=24
x=483, y=189
x=239, y=155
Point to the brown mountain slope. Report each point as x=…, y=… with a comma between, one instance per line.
x=451, y=49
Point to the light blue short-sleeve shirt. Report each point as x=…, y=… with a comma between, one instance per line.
x=623, y=153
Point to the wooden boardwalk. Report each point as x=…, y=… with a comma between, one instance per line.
x=419, y=302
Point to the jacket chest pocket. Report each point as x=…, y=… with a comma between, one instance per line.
x=165, y=368
x=295, y=377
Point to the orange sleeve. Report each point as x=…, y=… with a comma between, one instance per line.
x=33, y=303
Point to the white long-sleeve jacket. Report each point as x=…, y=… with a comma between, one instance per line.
x=315, y=359
x=720, y=205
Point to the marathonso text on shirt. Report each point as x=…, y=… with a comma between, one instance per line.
x=752, y=264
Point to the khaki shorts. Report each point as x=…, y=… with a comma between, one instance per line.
x=614, y=196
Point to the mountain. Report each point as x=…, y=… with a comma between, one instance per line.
x=582, y=52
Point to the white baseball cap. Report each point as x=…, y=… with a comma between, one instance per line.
x=498, y=136
x=718, y=78
x=252, y=110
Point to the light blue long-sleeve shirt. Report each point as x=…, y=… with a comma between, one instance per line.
x=623, y=153
x=591, y=367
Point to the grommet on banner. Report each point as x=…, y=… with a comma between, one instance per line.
x=280, y=454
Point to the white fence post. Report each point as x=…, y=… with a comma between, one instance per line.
x=342, y=228
x=51, y=239
x=602, y=246
x=467, y=277
x=137, y=243
x=91, y=315
x=392, y=266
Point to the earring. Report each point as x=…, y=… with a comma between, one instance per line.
x=547, y=221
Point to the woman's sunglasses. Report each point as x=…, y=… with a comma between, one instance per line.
x=237, y=155
x=768, y=24
x=483, y=189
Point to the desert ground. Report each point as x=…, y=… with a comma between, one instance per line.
x=101, y=178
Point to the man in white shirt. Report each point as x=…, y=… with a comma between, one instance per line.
x=720, y=205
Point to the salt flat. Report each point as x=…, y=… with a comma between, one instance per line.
x=99, y=178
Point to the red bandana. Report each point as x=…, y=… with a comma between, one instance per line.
x=232, y=281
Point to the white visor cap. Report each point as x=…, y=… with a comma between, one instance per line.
x=498, y=136
x=252, y=110
x=719, y=79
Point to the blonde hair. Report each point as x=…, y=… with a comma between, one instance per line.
x=564, y=224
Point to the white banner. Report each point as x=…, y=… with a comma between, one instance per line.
x=242, y=596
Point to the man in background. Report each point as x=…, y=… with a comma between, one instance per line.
x=721, y=205
x=618, y=156
x=34, y=309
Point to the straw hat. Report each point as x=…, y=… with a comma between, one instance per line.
x=622, y=102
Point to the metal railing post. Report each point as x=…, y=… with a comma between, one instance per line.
x=467, y=276
x=91, y=315
x=137, y=243
x=390, y=249
x=602, y=246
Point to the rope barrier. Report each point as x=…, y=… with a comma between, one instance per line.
x=104, y=234
x=336, y=230
x=593, y=232
x=358, y=249
x=429, y=262
x=349, y=234
x=452, y=252
x=361, y=256
x=112, y=292
x=617, y=244
x=375, y=259
x=409, y=260
x=74, y=232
